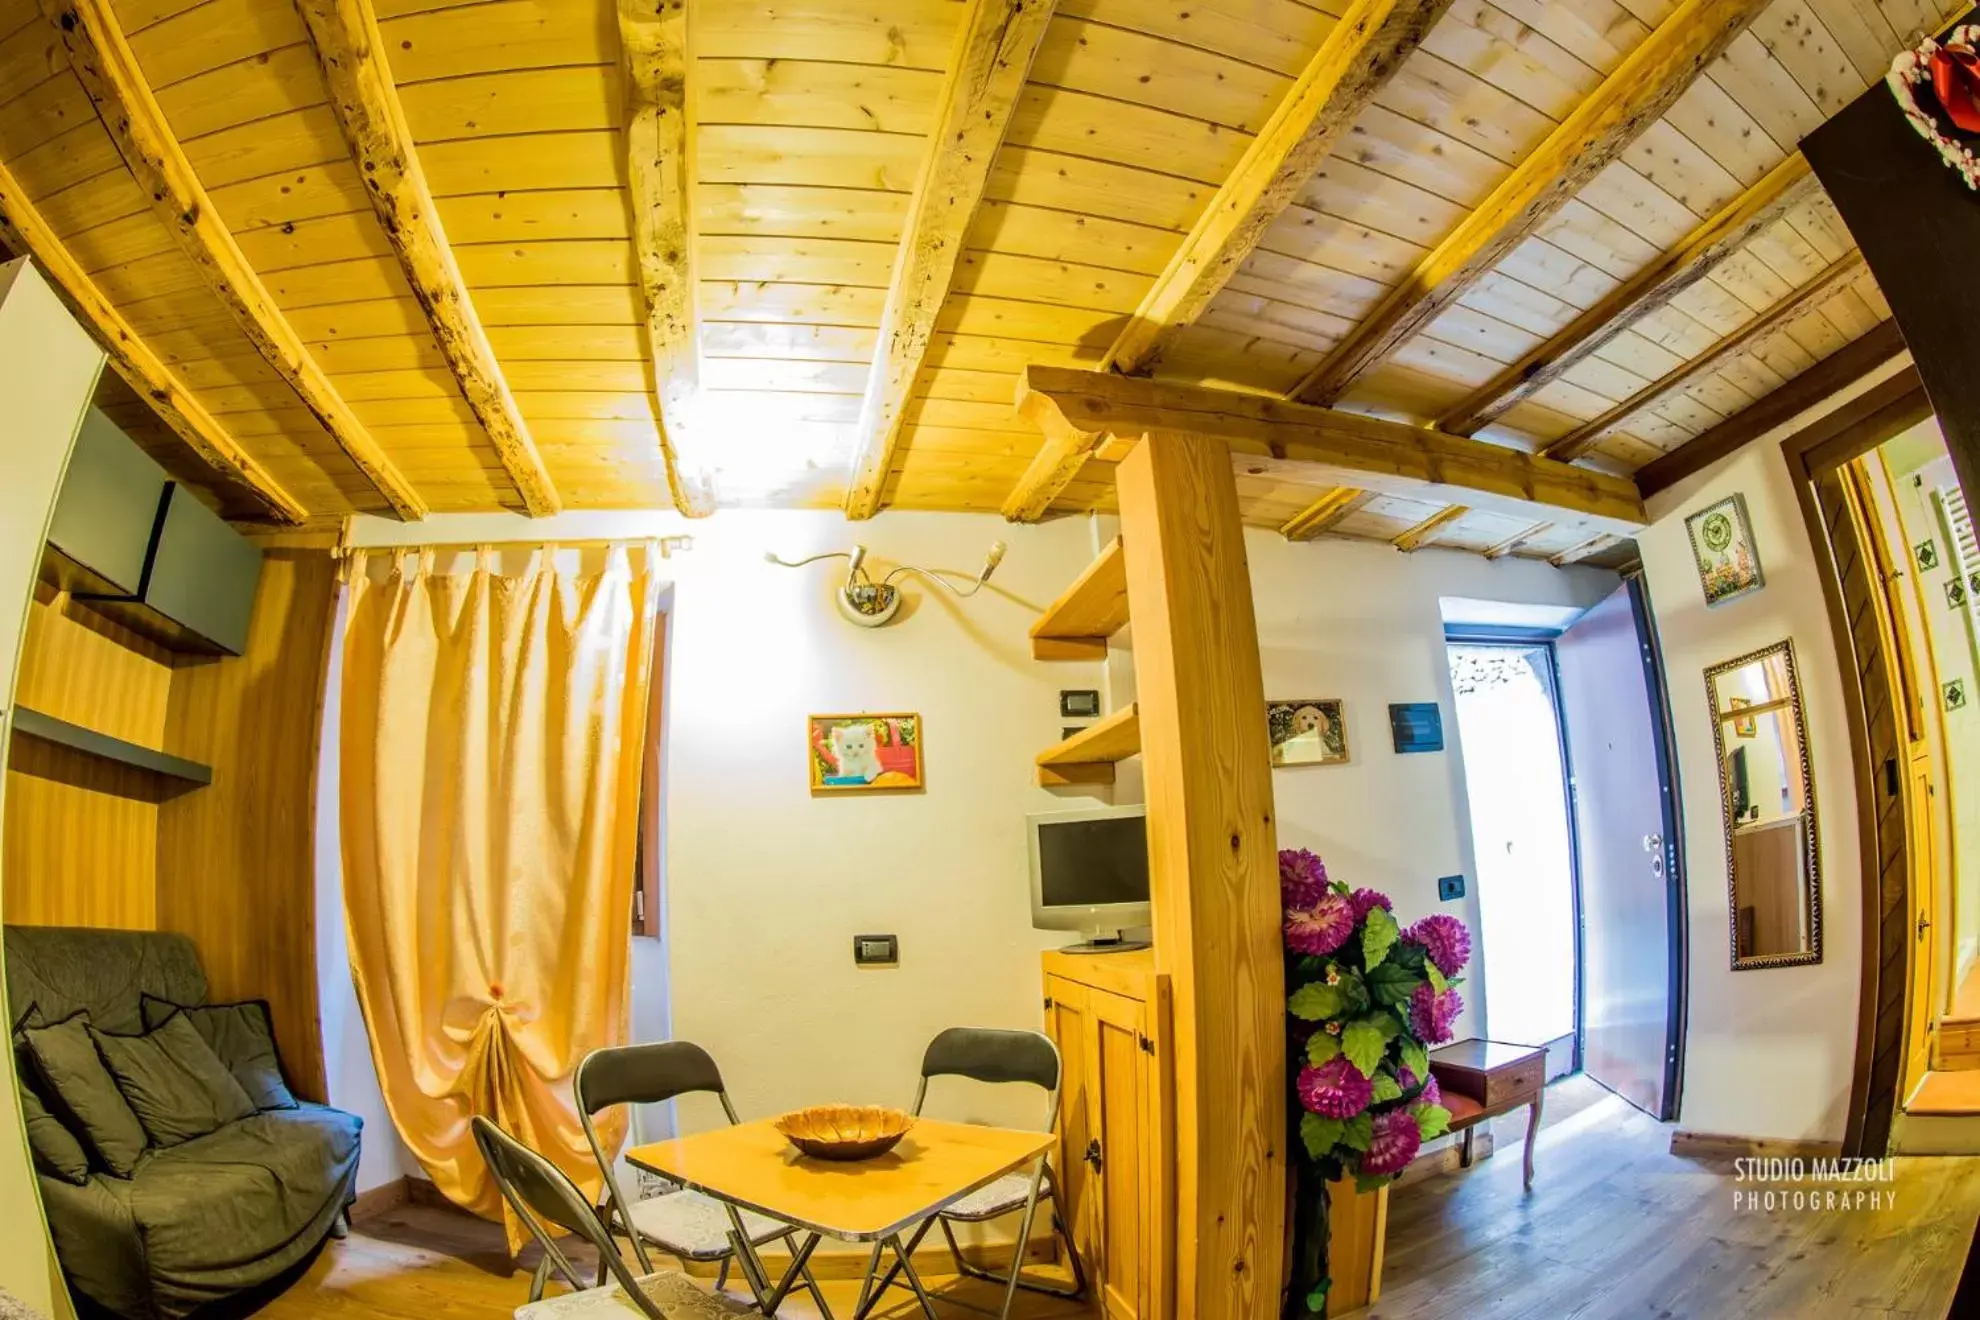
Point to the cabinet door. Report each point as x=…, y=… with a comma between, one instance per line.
x=1068, y=1021
x=1118, y=1094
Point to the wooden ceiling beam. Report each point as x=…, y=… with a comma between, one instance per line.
x=1835, y=373
x=1429, y=529
x=1594, y=134
x=366, y=102
x=1518, y=539
x=1581, y=550
x=995, y=46
x=109, y=71
x=1365, y=48
x=25, y=232
x=1797, y=304
x=1057, y=462
x=653, y=35
x=1321, y=515
x=1310, y=444
x=1649, y=290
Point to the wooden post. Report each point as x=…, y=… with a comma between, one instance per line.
x=1213, y=867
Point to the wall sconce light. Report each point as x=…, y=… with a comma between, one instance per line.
x=871, y=604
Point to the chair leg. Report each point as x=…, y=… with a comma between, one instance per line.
x=1077, y=1289
x=538, y=1280
x=722, y=1275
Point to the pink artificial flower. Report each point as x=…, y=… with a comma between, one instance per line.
x=1320, y=928
x=1432, y=1011
x=1396, y=1140
x=1335, y=1089
x=1432, y=1094
x=1367, y=900
x=1445, y=939
x=1302, y=878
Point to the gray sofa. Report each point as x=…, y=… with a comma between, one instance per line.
x=198, y=1221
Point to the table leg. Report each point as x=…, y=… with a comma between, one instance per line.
x=1023, y=1241
x=748, y=1263
x=868, y=1297
x=901, y=1254
x=1464, y=1148
x=1532, y=1131
x=783, y=1288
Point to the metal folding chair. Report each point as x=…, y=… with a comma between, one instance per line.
x=685, y=1224
x=989, y=1054
x=542, y=1197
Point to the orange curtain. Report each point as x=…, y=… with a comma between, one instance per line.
x=492, y=740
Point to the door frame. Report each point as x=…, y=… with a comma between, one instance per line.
x=1510, y=635
x=1816, y=455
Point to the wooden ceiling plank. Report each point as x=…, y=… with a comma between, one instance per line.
x=1593, y=136
x=1827, y=378
x=1429, y=529
x=1358, y=57
x=1804, y=299
x=109, y=71
x=660, y=177
x=1518, y=539
x=1326, y=445
x=995, y=46
x=1650, y=289
x=1324, y=513
x=365, y=99
x=1581, y=550
x=24, y=231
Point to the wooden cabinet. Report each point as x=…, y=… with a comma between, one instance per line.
x=1109, y=1015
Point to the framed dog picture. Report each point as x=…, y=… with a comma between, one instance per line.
x=864, y=753
x=1312, y=731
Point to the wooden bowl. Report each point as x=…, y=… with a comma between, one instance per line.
x=845, y=1132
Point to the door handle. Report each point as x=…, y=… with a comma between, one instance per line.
x=1093, y=1154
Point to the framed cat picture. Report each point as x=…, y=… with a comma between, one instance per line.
x=864, y=753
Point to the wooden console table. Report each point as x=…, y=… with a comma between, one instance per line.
x=1482, y=1079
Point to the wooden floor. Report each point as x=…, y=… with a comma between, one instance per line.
x=1616, y=1226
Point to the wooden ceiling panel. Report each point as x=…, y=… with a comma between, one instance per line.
x=269, y=83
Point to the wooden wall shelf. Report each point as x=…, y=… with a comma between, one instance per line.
x=49, y=729
x=1077, y=625
x=1088, y=756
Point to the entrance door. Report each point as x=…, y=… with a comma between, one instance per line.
x=1625, y=835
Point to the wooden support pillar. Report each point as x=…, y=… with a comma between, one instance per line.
x=1213, y=866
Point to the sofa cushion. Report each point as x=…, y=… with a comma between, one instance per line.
x=175, y=1083
x=67, y=1063
x=56, y=1150
x=65, y=968
x=218, y=1204
x=243, y=1036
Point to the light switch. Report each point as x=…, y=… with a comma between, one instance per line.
x=876, y=950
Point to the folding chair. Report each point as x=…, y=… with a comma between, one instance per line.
x=988, y=1054
x=541, y=1197
x=685, y=1224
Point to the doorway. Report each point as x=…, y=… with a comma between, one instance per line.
x=1569, y=782
x=1515, y=766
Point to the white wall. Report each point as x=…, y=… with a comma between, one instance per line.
x=1769, y=1052
x=350, y=1080
x=1361, y=621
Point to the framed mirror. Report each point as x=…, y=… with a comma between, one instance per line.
x=1767, y=797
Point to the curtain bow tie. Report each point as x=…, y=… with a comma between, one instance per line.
x=1956, y=82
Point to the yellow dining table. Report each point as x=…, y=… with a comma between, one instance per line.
x=751, y=1166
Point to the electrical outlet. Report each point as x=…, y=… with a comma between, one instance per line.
x=1450, y=887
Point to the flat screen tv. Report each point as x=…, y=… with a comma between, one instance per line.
x=1089, y=872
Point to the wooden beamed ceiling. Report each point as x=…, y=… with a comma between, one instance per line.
x=405, y=255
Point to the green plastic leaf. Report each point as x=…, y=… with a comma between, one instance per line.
x=1316, y=1301
x=1387, y=1088
x=1416, y=1058
x=1321, y=1047
x=1319, y=1134
x=1436, y=978
x=1362, y=1042
x=1315, y=1001
x=1388, y=1024
x=1358, y=1132
x=1370, y=1182
x=1435, y=1120
x=1392, y=982
x=1377, y=937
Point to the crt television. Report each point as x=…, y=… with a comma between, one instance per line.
x=1089, y=872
